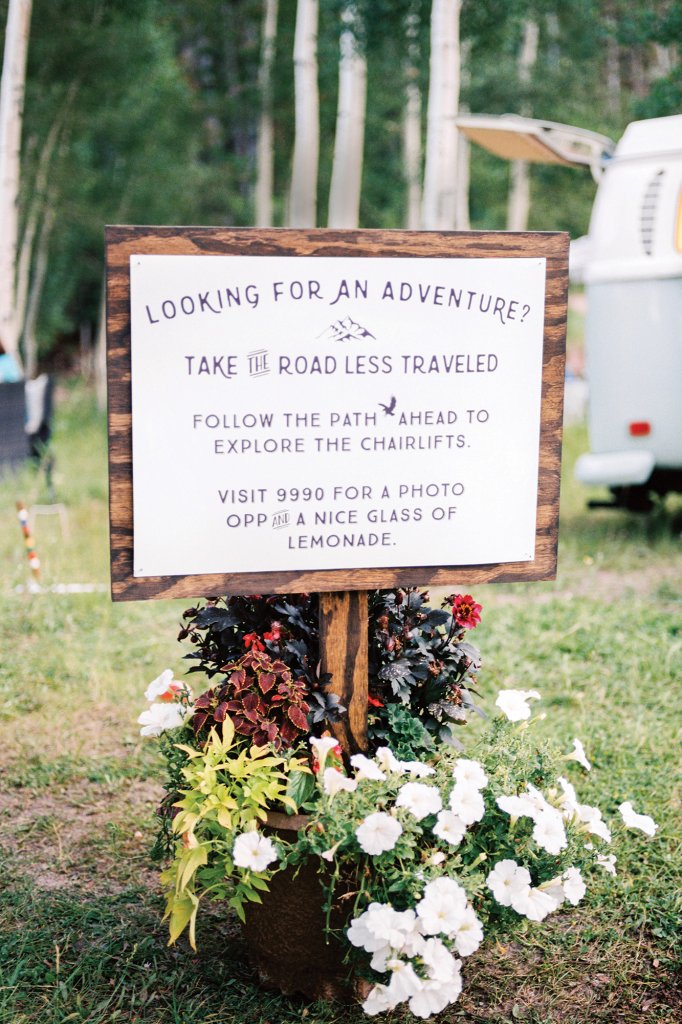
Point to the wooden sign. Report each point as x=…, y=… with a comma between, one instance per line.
x=295, y=411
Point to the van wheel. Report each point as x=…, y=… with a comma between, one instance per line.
x=633, y=499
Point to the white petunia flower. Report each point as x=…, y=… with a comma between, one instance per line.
x=591, y=817
x=573, y=885
x=517, y=806
x=578, y=754
x=163, y=717
x=533, y=904
x=450, y=827
x=470, y=772
x=514, y=703
x=164, y=687
x=469, y=933
x=440, y=964
x=331, y=852
x=435, y=996
x=322, y=745
x=253, y=851
x=380, y=926
x=366, y=769
x=568, y=799
x=378, y=833
x=467, y=803
x=442, y=907
x=419, y=799
x=643, y=822
x=335, y=781
x=608, y=863
x=378, y=1001
x=549, y=832
x=404, y=980
x=506, y=880
x=387, y=761
x=417, y=768
x=437, y=858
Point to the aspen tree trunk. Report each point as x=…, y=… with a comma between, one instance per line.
x=265, y=155
x=518, y=204
x=463, y=179
x=412, y=127
x=36, y=207
x=11, y=111
x=344, y=191
x=303, y=194
x=35, y=294
x=439, y=201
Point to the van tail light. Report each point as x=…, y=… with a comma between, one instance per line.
x=678, y=224
x=640, y=428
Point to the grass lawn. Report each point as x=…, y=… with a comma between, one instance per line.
x=80, y=932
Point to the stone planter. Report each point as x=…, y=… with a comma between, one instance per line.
x=286, y=933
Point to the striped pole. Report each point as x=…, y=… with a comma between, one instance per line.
x=33, y=559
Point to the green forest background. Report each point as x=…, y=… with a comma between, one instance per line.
x=157, y=107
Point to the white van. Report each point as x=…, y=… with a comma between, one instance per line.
x=631, y=264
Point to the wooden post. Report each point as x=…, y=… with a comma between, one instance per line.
x=344, y=653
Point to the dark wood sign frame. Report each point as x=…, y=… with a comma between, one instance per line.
x=123, y=242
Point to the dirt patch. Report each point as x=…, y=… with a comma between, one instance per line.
x=83, y=836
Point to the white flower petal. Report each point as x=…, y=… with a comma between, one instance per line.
x=419, y=799
x=253, y=851
x=470, y=772
x=533, y=904
x=643, y=822
x=378, y=833
x=387, y=761
x=163, y=717
x=450, y=827
x=514, y=703
x=335, y=781
x=608, y=863
x=467, y=803
x=506, y=880
x=417, y=768
x=366, y=769
x=578, y=754
x=468, y=935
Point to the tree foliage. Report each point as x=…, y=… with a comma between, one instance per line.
x=160, y=107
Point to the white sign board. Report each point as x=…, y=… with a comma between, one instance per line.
x=334, y=412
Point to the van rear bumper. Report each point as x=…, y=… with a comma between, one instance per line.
x=615, y=469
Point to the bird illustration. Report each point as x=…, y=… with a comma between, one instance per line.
x=390, y=408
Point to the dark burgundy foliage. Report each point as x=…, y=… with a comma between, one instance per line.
x=262, y=699
x=418, y=658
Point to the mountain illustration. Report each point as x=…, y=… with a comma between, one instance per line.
x=347, y=329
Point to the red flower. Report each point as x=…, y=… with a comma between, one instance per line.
x=274, y=633
x=375, y=702
x=466, y=611
x=254, y=641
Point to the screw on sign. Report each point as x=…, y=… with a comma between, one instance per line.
x=33, y=559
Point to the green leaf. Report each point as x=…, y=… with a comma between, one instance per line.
x=189, y=862
x=183, y=913
x=300, y=787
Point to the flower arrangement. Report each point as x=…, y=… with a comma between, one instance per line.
x=427, y=852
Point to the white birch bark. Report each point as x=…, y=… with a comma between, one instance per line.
x=36, y=292
x=518, y=202
x=303, y=192
x=346, y=180
x=412, y=127
x=463, y=178
x=265, y=154
x=11, y=112
x=440, y=171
